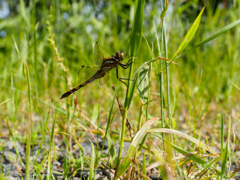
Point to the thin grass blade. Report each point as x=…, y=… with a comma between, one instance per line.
x=189, y=35
x=190, y=138
x=136, y=36
x=134, y=146
x=144, y=171
x=93, y=157
x=215, y=35
x=4, y=101
x=234, y=84
x=182, y=151
x=224, y=159
x=208, y=166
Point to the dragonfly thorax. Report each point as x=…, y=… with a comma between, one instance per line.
x=120, y=55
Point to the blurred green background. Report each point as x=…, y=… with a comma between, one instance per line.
x=200, y=86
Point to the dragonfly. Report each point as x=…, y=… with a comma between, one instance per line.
x=101, y=71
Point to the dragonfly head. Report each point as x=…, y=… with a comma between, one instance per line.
x=120, y=55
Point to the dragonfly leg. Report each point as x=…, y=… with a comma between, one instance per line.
x=129, y=62
x=125, y=66
x=120, y=79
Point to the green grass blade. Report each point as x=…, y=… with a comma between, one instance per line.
x=134, y=146
x=224, y=151
x=224, y=159
x=234, y=84
x=111, y=149
x=189, y=35
x=5, y=101
x=93, y=157
x=136, y=36
x=50, y=158
x=215, y=35
x=144, y=166
x=208, y=166
x=109, y=119
x=14, y=141
x=29, y=134
x=135, y=42
x=163, y=13
x=2, y=177
x=95, y=113
x=132, y=91
x=222, y=141
x=142, y=66
x=182, y=151
x=180, y=134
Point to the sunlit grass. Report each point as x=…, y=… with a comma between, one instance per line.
x=40, y=61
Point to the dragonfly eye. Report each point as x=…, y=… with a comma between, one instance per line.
x=120, y=55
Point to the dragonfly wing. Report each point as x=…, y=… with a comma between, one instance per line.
x=98, y=56
x=104, y=79
x=87, y=71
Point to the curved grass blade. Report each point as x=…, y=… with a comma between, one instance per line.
x=190, y=138
x=213, y=36
x=208, y=166
x=234, y=84
x=134, y=146
x=4, y=101
x=182, y=151
x=189, y=35
x=142, y=66
x=147, y=62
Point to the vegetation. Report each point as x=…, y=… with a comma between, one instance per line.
x=182, y=100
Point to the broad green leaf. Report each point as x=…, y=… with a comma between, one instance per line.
x=134, y=146
x=143, y=83
x=189, y=35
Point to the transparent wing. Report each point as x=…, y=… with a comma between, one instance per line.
x=104, y=79
x=87, y=71
x=98, y=56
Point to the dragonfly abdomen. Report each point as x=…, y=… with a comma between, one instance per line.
x=96, y=76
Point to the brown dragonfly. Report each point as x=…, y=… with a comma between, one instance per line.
x=101, y=72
